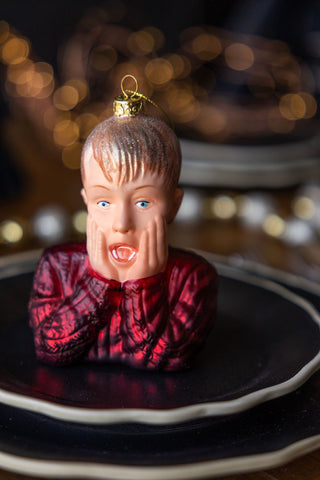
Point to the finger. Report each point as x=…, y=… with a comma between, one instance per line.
x=100, y=246
x=153, y=248
x=144, y=247
x=89, y=233
x=162, y=241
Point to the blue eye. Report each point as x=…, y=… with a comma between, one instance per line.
x=103, y=204
x=143, y=204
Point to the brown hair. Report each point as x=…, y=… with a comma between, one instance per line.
x=133, y=145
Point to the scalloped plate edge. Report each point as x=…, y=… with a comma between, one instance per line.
x=198, y=470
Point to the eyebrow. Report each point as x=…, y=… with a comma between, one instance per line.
x=145, y=186
x=106, y=188
x=100, y=186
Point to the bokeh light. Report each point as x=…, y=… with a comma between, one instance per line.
x=31, y=79
x=159, y=71
x=254, y=208
x=11, y=231
x=206, y=46
x=66, y=97
x=141, y=42
x=181, y=102
x=15, y=50
x=211, y=121
x=52, y=116
x=191, y=207
x=158, y=36
x=273, y=225
x=239, y=56
x=298, y=232
x=80, y=85
x=310, y=104
x=65, y=133
x=181, y=65
x=79, y=221
x=292, y=106
x=223, y=207
x=304, y=207
x=50, y=224
x=86, y=123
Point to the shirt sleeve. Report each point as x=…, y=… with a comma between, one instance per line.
x=167, y=321
x=66, y=315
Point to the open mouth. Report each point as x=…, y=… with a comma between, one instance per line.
x=123, y=253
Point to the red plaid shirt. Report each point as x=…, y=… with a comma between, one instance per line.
x=155, y=322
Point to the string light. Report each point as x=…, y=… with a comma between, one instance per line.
x=11, y=231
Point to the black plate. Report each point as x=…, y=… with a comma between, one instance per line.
x=264, y=336
x=266, y=435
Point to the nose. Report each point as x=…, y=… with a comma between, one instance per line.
x=122, y=222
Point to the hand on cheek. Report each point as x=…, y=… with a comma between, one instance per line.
x=153, y=251
x=97, y=250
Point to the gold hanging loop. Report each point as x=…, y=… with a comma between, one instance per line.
x=131, y=105
x=125, y=105
x=122, y=82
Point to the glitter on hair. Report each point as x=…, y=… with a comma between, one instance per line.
x=128, y=147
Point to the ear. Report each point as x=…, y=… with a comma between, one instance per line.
x=177, y=199
x=84, y=196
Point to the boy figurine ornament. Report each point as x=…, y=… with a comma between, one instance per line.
x=125, y=296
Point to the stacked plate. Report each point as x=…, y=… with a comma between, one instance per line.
x=250, y=166
x=248, y=402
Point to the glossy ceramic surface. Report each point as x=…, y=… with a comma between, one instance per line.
x=272, y=433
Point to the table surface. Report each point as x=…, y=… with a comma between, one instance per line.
x=220, y=237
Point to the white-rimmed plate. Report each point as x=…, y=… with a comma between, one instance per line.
x=271, y=434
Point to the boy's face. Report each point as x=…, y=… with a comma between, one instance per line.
x=124, y=212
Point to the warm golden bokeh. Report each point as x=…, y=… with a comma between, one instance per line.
x=66, y=97
x=15, y=50
x=159, y=71
x=239, y=56
x=65, y=133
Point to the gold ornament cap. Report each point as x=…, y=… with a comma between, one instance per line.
x=128, y=105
